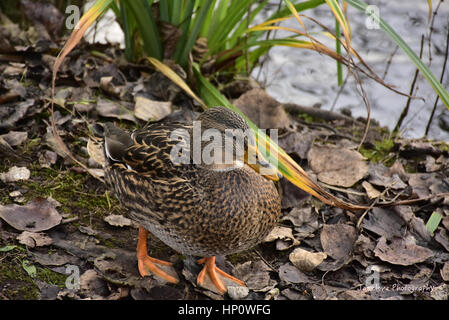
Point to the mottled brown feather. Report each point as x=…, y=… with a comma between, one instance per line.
x=194, y=210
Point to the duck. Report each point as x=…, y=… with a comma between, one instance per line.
x=202, y=188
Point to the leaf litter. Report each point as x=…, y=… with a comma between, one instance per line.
x=315, y=252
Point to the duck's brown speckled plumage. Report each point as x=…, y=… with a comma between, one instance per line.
x=194, y=210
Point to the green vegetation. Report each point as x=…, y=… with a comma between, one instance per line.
x=380, y=152
x=17, y=283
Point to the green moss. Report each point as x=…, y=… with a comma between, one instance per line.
x=51, y=277
x=310, y=119
x=380, y=152
x=15, y=283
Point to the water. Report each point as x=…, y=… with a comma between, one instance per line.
x=306, y=77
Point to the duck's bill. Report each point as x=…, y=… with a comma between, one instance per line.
x=257, y=161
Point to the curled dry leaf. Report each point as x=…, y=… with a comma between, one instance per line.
x=284, y=237
x=380, y=175
x=371, y=192
x=337, y=166
x=306, y=261
x=34, y=239
x=36, y=215
x=445, y=271
x=305, y=221
x=401, y=251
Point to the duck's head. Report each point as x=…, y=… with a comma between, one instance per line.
x=225, y=132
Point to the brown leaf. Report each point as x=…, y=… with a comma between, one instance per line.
x=289, y=273
x=426, y=184
x=371, y=192
x=283, y=236
x=255, y=275
x=445, y=271
x=380, y=175
x=36, y=215
x=15, y=138
x=305, y=221
x=337, y=166
x=147, y=109
x=111, y=109
x=338, y=240
x=34, y=239
x=384, y=222
x=262, y=109
x=416, y=224
x=305, y=260
x=297, y=143
x=401, y=252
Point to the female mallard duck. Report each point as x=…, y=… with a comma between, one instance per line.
x=197, y=208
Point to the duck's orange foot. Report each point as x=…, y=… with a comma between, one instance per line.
x=148, y=265
x=213, y=271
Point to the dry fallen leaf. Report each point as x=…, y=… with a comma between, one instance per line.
x=15, y=138
x=34, y=239
x=445, y=271
x=262, y=109
x=112, y=109
x=284, y=237
x=305, y=260
x=337, y=166
x=36, y=215
x=338, y=240
x=370, y=190
x=384, y=222
x=147, y=109
x=401, y=251
x=255, y=275
x=291, y=274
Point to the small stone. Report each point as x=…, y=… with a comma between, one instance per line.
x=117, y=220
x=238, y=293
x=15, y=194
x=15, y=174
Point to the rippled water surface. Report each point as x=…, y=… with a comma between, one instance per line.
x=305, y=77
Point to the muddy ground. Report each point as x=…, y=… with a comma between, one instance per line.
x=78, y=243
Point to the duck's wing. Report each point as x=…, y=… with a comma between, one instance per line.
x=145, y=175
x=161, y=150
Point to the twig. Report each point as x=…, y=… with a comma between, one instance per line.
x=339, y=92
x=412, y=88
x=390, y=59
x=265, y=261
x=371, y=206
x=412, y=201
x=441, y=81
x=431, y=31
x=319, y=113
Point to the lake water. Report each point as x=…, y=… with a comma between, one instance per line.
x=306, y=77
